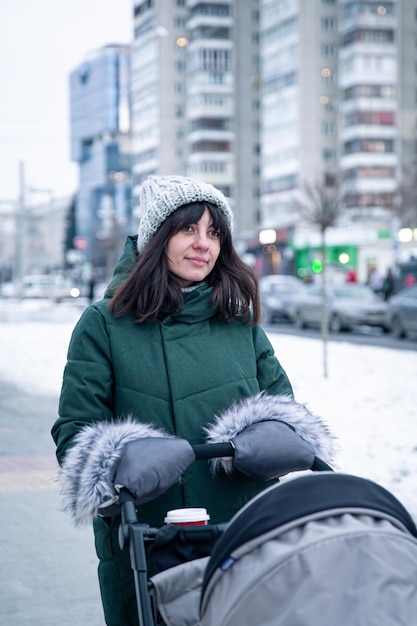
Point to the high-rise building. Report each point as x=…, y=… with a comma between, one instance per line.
x=299, y=139
x=100, y=144
x=369, y=108
x=264, y=97
x=195, y=100
x=406, y=120
x=338, y=100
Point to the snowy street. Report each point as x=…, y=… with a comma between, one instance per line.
x=369, y=398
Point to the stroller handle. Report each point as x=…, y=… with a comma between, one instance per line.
x=215, y=450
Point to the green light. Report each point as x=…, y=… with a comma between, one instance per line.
x=316, y=266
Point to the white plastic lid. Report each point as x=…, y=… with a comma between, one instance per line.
x=181, y=516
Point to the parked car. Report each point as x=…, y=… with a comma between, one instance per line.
x=36, y=286
x=279, y=294
x=348, y=306
x=402, y=312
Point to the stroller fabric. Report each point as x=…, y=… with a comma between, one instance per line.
x=329, y=549
x=177, y=593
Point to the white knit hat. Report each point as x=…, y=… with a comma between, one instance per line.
x=159, y=196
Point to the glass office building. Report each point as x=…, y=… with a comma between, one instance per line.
x=100, y=144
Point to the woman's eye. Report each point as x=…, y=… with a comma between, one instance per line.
x=214, y=233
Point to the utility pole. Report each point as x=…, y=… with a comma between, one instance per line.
x=19, y=235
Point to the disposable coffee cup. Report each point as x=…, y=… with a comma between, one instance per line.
x=187, y=517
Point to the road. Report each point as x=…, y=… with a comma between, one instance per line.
x=43, y=310
x=364, y=335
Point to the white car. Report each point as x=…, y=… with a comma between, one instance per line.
x=402, y=312
x=279, y=293
x=348, y=306
x=42, y=286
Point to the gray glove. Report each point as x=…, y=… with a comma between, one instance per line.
x=110, y=508
x=270, y=449
x=151, y=465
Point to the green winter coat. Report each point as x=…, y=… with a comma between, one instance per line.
x=177, y=374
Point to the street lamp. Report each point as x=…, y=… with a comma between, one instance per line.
x=48, y=234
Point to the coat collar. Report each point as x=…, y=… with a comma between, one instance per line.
x=197, y=306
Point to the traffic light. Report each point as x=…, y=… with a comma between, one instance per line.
x=317, y=266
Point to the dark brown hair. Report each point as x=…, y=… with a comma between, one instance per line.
x=151, y=289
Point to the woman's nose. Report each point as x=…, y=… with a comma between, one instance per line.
x=201, y=241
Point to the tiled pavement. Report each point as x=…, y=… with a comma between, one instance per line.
x=47, y=567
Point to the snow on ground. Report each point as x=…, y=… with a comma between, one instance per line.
x=369, y=398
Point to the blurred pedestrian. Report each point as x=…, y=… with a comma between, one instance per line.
x=91, y=287
x=375, y=279
x=174, y=354
x=351, y=275
x=388, y=284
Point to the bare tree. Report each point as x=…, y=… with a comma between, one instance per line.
x=406, y=196
x=322, y=206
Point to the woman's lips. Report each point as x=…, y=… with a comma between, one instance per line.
x=197, y=261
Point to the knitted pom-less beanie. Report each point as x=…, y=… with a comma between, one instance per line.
x=159, y=196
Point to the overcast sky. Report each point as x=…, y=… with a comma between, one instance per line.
x=41, y=42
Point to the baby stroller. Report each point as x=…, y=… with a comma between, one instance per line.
x=324, y=548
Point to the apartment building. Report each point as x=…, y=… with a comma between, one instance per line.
x=338, y=97
x=299, y=104
x=195, y=96
x=263, y=97
x=369, y=107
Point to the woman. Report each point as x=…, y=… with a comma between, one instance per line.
x=174, y=356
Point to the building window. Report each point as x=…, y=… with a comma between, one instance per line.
x=380, y=118
x=207, y=8
x=212, y=167
x=276, y=83
x=368, y=35
x=328, y=128
x=369, y=172
x=351, y=9
x=211, y=146
x=210, y=123
x=213, y=60
x=385, y=200
x=145, y=27
x=329, y=23
x=180, y=21
x=329, y=50
x=210, y=32
x=279, y=31
x=369, y=91
x=368, y=145
x=86, y=150
x=141, y=8
x=283, y=183
x=329, y=154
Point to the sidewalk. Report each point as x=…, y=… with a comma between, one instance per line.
x=47, y=566
x=40, y=310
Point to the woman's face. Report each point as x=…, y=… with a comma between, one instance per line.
x=193, y=251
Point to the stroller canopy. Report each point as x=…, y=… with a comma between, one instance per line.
x=324, y=549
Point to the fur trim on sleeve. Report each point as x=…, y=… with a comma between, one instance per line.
x=86, y=475
x=263, y=407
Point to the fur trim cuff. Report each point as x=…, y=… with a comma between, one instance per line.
x=263, y=407
x=86, y=476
